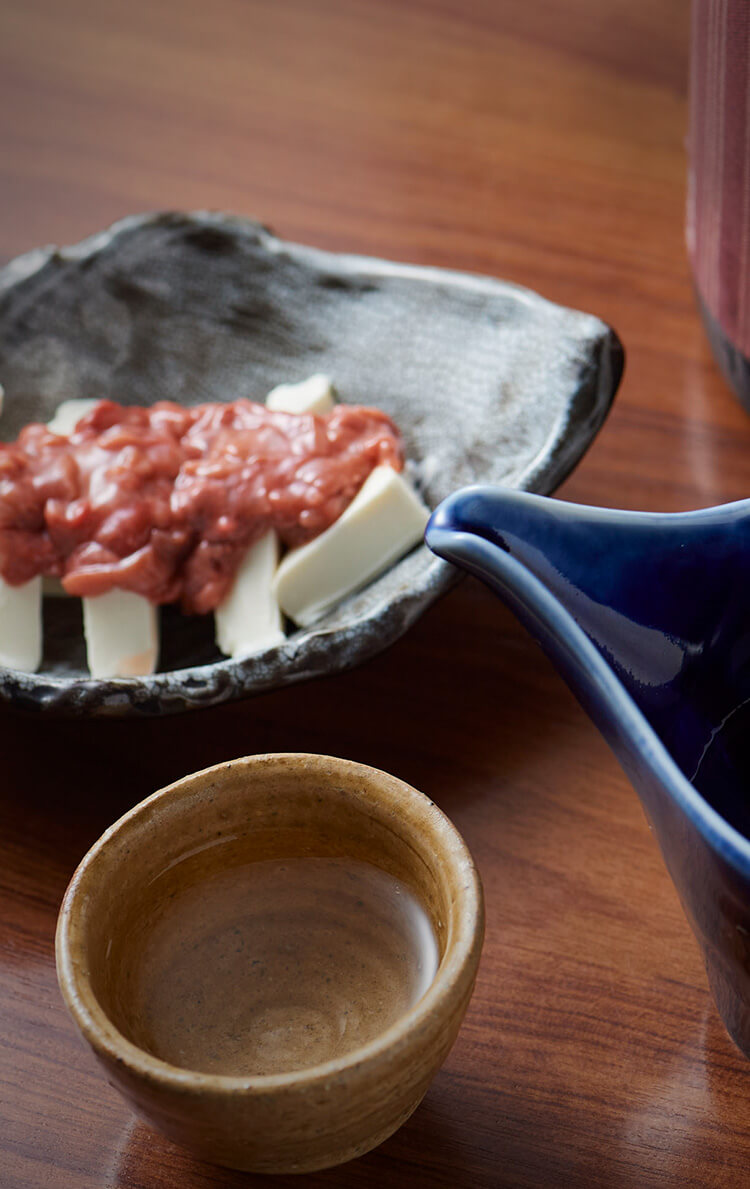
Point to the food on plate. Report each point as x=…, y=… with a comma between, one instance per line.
x=310, y=396
x=165, y=501
x=21, y=625
x=132, y=507
x=249, y=619
x=122, y=634
x=69, y=413
x=382, y=522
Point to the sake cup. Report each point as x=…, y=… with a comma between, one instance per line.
x=270, y=807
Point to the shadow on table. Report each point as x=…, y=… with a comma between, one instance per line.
x=457, y=708
x=428, y=1150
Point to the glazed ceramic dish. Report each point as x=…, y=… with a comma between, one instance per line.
x=251, y=810
x=646, y=615
x=487, y=382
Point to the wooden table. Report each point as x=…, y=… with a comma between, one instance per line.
x=542, y=142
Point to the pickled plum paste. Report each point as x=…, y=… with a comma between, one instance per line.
x=165, y=501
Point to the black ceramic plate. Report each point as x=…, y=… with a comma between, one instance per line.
x=488, y=383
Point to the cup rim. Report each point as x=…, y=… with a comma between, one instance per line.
x=453, y=979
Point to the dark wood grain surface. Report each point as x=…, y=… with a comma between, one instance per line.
x=542, y=142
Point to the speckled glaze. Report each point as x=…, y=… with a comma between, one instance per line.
x=487, y=381
x=273, y=806
x=646, y=616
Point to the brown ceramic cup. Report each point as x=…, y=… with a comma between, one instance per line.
x=271, y=807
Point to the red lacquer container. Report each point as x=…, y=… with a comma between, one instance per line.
x=718, y=208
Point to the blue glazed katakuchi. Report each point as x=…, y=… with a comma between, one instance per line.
x=647, y=616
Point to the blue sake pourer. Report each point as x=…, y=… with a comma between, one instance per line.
x=647, y=616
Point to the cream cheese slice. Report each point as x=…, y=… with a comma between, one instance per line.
x=249, y=620
x=68, y=414
x=21, y=625
x=383, y=521
x=122, y=634
x=314, y=395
